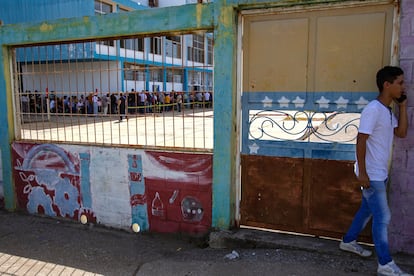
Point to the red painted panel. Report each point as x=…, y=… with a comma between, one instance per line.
x=180, y=198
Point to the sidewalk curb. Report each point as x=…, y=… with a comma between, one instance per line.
x=250, y=238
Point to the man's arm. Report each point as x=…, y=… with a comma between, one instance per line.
x=361, y=149
x=401, y=130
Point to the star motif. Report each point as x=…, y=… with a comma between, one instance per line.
x=298, y=102
x=267, y=102
x=361, y=103
x=341, y=103
x=254, y=148
x=323, y=102
x=283, y=102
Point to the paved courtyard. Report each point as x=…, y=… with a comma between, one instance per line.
x=188, y=129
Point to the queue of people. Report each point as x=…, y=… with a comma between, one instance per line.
x=96, y=103
x=156, y=102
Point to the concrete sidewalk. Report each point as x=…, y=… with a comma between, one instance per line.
x=250, y=238
x=33, y=245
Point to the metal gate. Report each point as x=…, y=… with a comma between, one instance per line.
x=306, y=77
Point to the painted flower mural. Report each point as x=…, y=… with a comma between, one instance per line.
x=48, y=181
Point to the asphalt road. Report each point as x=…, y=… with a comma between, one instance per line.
x=33, y=245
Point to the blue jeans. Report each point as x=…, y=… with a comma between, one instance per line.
x=374, y=204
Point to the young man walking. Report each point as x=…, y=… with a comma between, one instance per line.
x=378, y=125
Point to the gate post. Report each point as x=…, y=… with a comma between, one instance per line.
x=6, y=127
x=225, y=123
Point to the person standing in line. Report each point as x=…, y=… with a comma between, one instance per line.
x=142, y=102
x=207, y=99
x=161, y=101
x=113, y=103
x=179, y=100
x=167, y=100
x=121, y=107
x=378, y=125
x=105, y=103
x=52, y=105
x=95, y=103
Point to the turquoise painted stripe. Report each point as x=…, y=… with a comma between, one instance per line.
x=59, y=52
x=85, y=160
x=17, y=10
x=296, y=149
x=139, y=213
x=322, y=101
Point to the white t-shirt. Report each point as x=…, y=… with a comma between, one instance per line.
x=378, y=121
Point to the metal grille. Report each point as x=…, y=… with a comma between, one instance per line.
x=121, y=91
x=307, y=126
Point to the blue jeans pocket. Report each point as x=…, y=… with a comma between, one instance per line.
x=367, y=193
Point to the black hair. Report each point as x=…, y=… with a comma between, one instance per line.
x=389, y=74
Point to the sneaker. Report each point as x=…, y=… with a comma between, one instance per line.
x=354, y=247
x=391, y=269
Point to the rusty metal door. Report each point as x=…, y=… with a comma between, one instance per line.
x=306, y=77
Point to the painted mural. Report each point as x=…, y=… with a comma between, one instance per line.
x=176, y=194
x=48, y=181
x=122, y=188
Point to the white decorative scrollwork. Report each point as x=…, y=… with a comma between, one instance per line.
x=303, y=126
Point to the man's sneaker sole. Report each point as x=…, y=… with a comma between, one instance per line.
x=349, y=247
x=391, y=269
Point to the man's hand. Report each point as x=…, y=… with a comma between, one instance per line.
x=363, y=180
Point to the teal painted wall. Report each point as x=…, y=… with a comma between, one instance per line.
x=17, y=11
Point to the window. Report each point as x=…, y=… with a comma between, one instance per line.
x=156, y=74
x=196, y=53
x=136, y=44
x=102, y=8
x=173, y=46
x=209, y=50
x=134, y=72
x=107, y=42
x=174, y=75
x=156, y=44
x=153, y=3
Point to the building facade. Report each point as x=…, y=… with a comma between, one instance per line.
x=158, y=63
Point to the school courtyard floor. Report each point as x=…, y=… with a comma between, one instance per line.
x=192, y=128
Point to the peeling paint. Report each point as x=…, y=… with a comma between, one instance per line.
x=86, y=19
x=222, y=223
x=46, y=27
x=199, y=14
x=226, y=16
